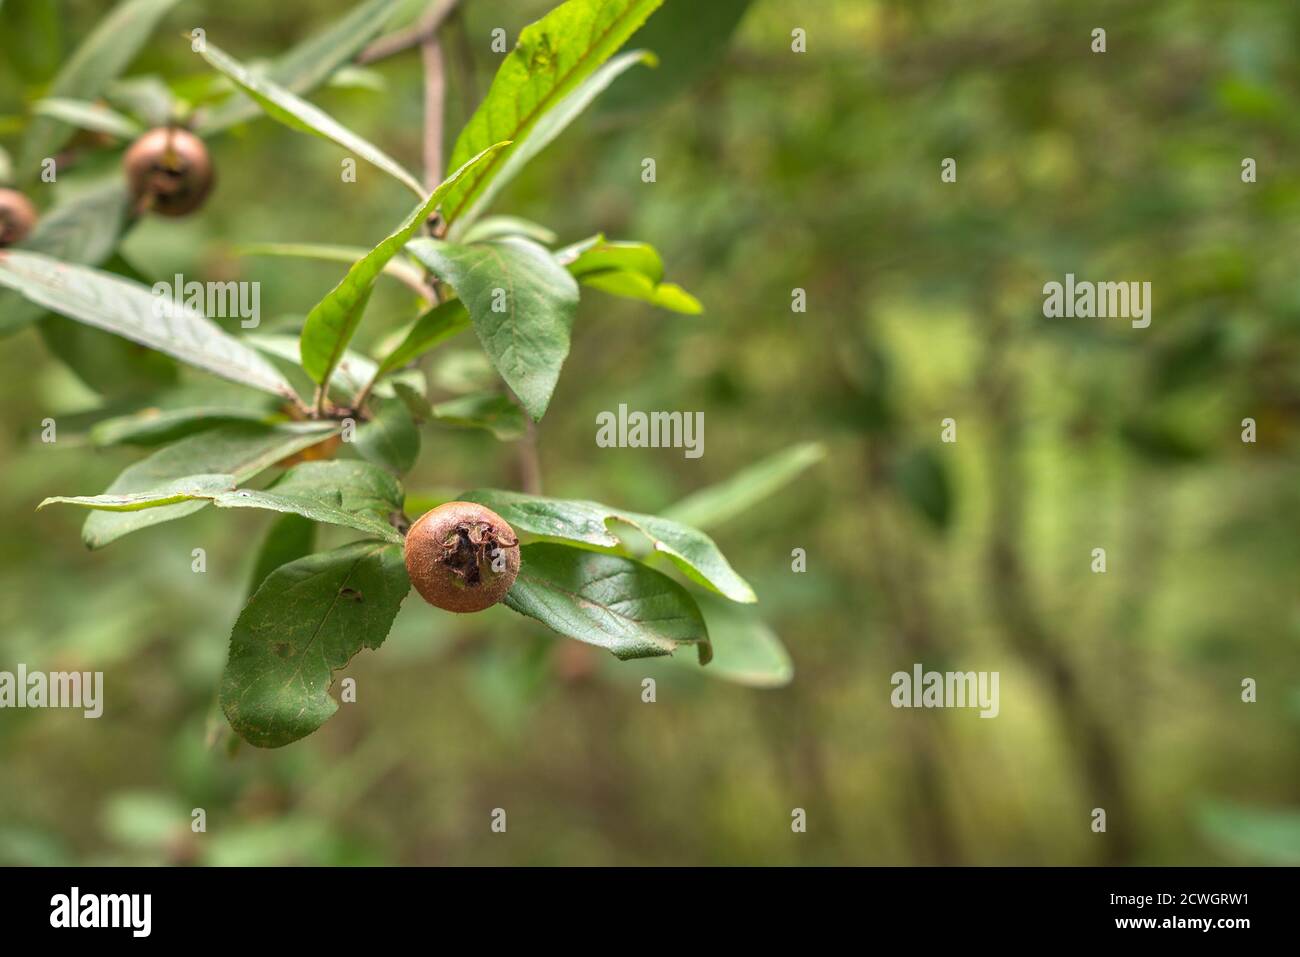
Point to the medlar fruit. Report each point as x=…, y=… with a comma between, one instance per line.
x=169, y=171
x=17, y=217
x=462, y=557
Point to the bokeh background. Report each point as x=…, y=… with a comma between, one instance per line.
x=776, y=170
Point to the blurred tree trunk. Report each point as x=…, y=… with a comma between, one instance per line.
x=1092, y=741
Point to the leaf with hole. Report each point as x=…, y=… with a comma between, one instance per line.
x=306, y=622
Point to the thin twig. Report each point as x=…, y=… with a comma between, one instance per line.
x=435, y=89
x=412, y=36
x=530, y=460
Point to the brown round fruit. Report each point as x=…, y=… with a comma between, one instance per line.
x=17, y=217
x=462, y=557
x=169, y=171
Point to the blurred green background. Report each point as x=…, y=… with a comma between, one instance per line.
x=775, y=170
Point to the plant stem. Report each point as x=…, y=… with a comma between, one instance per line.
x=530, y=460
x=412, y=36
x=435, y=88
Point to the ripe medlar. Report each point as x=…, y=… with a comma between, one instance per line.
x=462, y=557
x=17, y=217
x=169, y=171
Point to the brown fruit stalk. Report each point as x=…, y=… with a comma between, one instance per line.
x=17, y=217
x=462, y=557
x=169, y=171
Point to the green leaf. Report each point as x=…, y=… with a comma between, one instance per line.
x=579, y=521
x=492, y=411
x=242, y=451
x=298, y=114
x=108, y=51
x=745, y=650
x=607, y=600
x=6, y=167
x=88, y=116
x=110, y=365
x=362, y=487
x=630, y=270
x=432, y=329
x=312, y=62
x=395, y=268
x=691, y=39
x=498, y=227
x=307, y=621
x=318, y=505
x=549, y=124
x=350, y=375
x=351, y=494
x=146, y=97
x=551, y=60
x=188, y=489
x=1256, y=835
x=596, y=254
x=522, y=304
x=333, y=321
x=630, y=285
x=390, y=438
x=83, y=230
x=718, y=503
x=289, y=538
x=151, y=426
x=129, y=309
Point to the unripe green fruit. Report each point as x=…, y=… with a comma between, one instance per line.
x=168, y=171
x=462, y=557
x=17, y=217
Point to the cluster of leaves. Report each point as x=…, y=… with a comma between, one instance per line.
x=311, y=611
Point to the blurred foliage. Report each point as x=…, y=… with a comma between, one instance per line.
x=776, y=170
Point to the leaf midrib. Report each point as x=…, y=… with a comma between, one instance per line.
x=532, y=114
